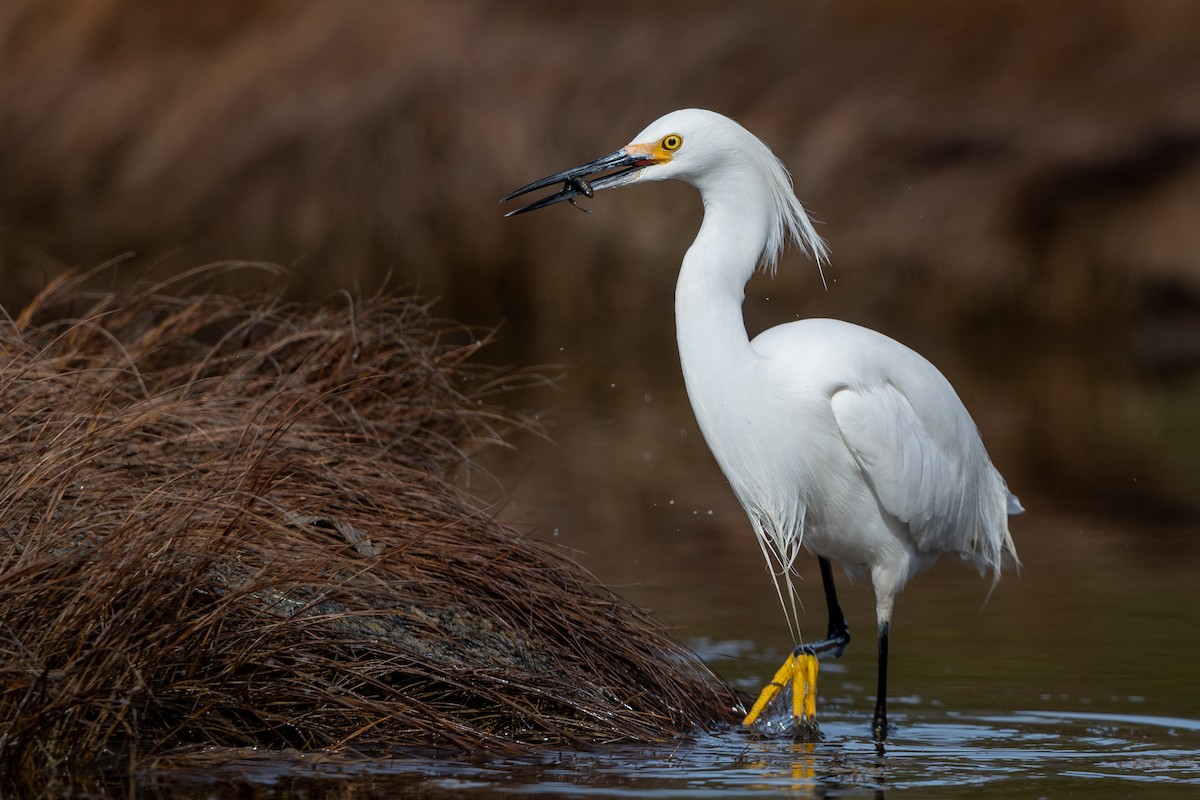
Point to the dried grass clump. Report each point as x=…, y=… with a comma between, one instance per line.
x=229, y=521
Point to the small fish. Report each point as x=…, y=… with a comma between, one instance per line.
x=582, y=187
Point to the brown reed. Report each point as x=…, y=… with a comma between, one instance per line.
x=959, y=186
x=231, y=521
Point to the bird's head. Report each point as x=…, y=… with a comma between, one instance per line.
x=710, y=151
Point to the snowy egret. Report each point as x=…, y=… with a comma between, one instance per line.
x=835, y=438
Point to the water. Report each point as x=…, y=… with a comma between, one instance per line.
x=1076, y=674
x=933, y=753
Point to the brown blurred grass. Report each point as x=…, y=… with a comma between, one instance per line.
x=228, y=520
x=978, y=167
x=1011, y=188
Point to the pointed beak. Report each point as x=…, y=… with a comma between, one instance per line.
x=579, y=180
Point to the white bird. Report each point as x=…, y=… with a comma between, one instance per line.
x=835, y=438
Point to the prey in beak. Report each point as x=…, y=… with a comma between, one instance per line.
x=614, y=169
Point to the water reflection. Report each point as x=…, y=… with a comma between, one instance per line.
x=934, y=754
x=796, y=766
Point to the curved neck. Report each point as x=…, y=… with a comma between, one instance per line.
x=711, y=287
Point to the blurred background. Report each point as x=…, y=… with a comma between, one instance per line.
x=1011, y=188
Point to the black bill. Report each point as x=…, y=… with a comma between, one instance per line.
x=577, y=181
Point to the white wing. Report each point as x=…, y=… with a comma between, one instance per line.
x=928, y=467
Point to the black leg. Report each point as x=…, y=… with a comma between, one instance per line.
x=835, y=641
x=879, y=724
x=838, y=629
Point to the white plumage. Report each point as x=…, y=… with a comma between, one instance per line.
x=834, y=438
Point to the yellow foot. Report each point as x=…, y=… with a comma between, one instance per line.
x=801, y=671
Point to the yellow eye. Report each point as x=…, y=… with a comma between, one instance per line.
x=671, y=142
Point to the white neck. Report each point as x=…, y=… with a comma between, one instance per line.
x=714, y=348
x=727, y=382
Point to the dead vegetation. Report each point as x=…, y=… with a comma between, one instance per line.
x=229, y=521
